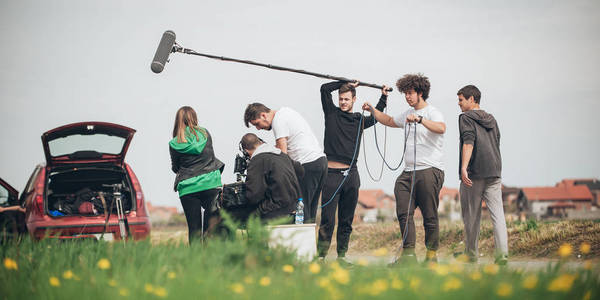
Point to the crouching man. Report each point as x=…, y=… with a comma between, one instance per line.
x=272, y=180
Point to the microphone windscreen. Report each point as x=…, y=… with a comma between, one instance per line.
x=162, y=52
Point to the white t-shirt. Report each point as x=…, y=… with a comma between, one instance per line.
x=302, y=144
x=430, y=145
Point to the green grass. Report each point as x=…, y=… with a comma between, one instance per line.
x=236, y=267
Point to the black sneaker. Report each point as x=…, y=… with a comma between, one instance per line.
x=464, y=257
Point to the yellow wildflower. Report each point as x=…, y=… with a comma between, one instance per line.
x=380, y=252
x=441, y=270
x=452, y=284
x=587, y=265
x=314, y=268
x=504, y=289
x=565, y=250
x=415, y=283
x=237, y=288
x=377, y=287
x=491, y=269
x=456, y=268
x=530, y=282
x=397, y=284
x=463, y=258
x=324, y=282
x=288, y=268
x=585, y=248
x=54, y=281
x=112, y=282
x=124, y=292
x=475, y=276
x=171, y=275
x=265, y=281
x=362, y=262
x=148, y=288
x=248, y=279
x=588, y=295
x=341, y=275
x=68, y=274
x=10, y=264
x=104, y=264
x=562, y=283
x=160, y=292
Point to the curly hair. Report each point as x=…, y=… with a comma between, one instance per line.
x=417, y=82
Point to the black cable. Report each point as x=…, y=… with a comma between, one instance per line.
x=358, y=133
x=384, y=152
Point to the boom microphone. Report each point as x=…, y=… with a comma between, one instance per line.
x=162, y=52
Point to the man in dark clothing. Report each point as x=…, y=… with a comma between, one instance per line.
x=271, y=184
x=480, y=172
x=343, y=131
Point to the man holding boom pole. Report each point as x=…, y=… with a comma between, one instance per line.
x=343, y=130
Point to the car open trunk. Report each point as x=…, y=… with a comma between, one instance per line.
x=75, y=191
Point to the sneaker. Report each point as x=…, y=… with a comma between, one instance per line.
x=431, y=256
x=501, y=260
x=405, y=260
x=464, y=257
x=344, y=263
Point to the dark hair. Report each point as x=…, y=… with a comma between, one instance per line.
x=346, y=87
x=250, y=141
x=253, y=112
x=470, y=91
x=417, y=82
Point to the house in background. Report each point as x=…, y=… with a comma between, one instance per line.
x=594, y=185
x=160, y=215
x=375, y=205
x=560, y=201
x=449, y=206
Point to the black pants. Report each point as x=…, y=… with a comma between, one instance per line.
x=428, y=183
x=192, y=208
x=345, y=201
x=311, y=185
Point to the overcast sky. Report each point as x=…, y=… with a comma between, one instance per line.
x=536, y=63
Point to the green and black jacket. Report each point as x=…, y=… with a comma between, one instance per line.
x=195, y=163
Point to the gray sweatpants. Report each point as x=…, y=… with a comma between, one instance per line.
x=489, y=189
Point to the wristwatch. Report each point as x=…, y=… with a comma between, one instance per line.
x=420, y=119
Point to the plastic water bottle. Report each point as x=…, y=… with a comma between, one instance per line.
x=300, y=212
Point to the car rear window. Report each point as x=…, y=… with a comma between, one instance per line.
x=101, y=143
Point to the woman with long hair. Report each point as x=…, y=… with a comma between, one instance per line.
x=198, y=171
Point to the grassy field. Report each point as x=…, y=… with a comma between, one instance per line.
x=247, y=269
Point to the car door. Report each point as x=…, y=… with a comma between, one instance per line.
x=12, y=219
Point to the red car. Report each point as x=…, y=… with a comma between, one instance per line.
x=85, y=189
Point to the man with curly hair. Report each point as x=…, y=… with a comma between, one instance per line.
x=427, y=166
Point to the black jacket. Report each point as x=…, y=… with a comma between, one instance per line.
x=480, y=129
x=272, y=184
x=341, y=127
x=192, y=165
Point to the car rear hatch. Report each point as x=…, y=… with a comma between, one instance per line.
x=87, y=142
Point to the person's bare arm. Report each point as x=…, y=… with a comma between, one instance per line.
x=281, y=143
x=381, y=117
x=435, y=127
x=467, y=151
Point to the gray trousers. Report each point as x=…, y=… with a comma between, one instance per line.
x=489, y=189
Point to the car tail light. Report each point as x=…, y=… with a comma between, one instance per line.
x=139, y=195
